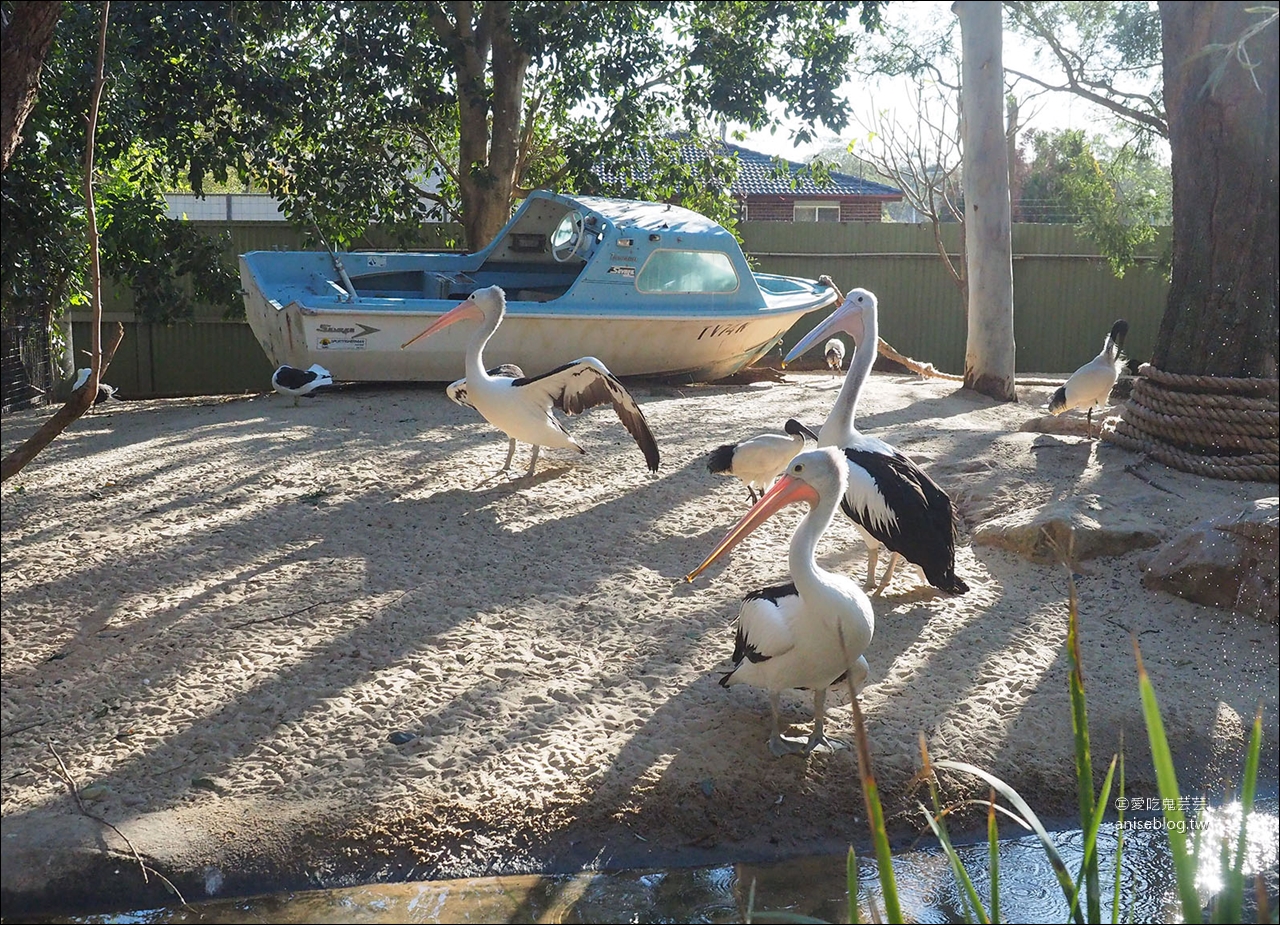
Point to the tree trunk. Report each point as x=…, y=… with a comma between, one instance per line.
x=1221, y=318
x=989, y=350
x=23, y=46
x=488, y=118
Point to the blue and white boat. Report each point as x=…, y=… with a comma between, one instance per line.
x=650, y=289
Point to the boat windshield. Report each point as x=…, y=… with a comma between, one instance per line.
x=687, y=271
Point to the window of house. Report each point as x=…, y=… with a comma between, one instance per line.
x=687, y=271
x=817, y=212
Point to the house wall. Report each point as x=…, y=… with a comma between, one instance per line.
x=1065, y=299
x=778, y=209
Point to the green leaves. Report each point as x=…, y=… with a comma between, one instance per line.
x=1116, y=196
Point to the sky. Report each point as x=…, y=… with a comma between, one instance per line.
x=1047, y=111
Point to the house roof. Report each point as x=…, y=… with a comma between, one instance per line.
x=756, y=174
x=756, y=178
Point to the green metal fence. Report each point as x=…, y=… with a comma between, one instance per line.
x=1065, y=296
x=1065, y=299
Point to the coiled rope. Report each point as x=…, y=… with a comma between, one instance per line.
x=1210, y=425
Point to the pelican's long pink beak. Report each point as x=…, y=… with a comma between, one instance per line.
x=788, y=490
x=845, y=318
x=466, y=311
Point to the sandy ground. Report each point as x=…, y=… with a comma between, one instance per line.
x=216, y=613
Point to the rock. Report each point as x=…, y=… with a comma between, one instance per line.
x=1065, y=424
x=1078, y=528
x=95, y=792
x=1229, y=561
x=217, y=785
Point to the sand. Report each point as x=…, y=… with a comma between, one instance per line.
x=218, y=613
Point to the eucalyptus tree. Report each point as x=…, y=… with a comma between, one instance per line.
x=989, y=347
x=1222, y=89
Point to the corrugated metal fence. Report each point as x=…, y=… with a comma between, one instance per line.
x=1065, y=296
x=1065, y=299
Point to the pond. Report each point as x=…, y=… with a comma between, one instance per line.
x=811, y=887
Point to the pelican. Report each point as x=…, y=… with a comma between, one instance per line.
x=457, y=390
x=289, y=380
x=891, y=500
x=521, y=406
x=811, y=633
x=1091, y=384
x=758, y=461
x=834, y=352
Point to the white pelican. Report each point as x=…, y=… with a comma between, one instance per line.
x=1091, y=384
x=807, y=634
x=457, y=389
x=520, y=407
x=834, y=352
x=760, y=460
x=289, y=380
x=892, y=501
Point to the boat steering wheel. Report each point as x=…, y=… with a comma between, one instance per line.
x=570, y=237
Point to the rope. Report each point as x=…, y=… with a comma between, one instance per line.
x=1215, y=426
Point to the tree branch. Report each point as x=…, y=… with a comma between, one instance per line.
x=1134, y=115
x=79, y=402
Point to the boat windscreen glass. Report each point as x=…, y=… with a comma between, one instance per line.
x=687, y=271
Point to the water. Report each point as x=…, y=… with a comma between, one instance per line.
x=812, y=887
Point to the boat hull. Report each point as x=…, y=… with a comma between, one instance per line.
x=363, y=344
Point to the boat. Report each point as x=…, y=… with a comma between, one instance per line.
x=650, y=289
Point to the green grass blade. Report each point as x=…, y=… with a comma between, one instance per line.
x=1089, y=853
x=1115, y=898
x=1232, y=900
x=937, y=822
x=1184, y=864
x=993, y=857
x=875, y=814
x=852, y=884
x=957, y=868
x=1084, y=760
x=1055, y=859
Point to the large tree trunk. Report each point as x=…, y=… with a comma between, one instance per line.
x=1220, y=319
x=989, y=350
x=24, y=43
x=488, y=119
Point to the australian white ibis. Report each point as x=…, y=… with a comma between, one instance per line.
x=289, y=380
x=760, y=460
x=1091, y=384
x=810, y=633
x=520, y=407
x=834, y=352
x=891, y=499
x=106, y=393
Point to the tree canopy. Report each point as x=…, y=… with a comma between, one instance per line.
x=391, y=112
x=456, y=109
x=1104, y=52
x=1116, y=195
